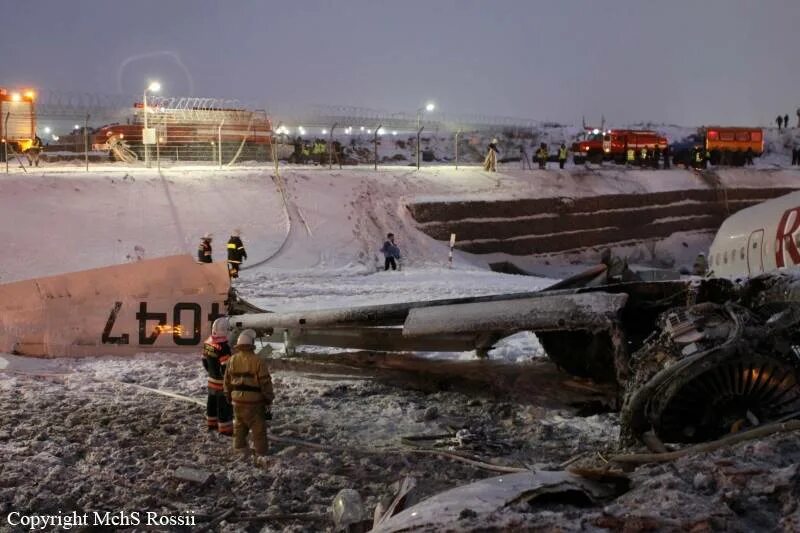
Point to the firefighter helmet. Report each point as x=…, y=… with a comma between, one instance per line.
x=246, y=338
x=207, y=237
x=220, y=327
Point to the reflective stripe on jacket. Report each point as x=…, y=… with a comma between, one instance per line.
x=247, y=379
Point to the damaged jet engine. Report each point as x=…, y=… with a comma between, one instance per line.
x=714, y=368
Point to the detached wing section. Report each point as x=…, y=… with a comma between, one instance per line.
x=164, y=304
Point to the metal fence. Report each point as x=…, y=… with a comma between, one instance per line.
x=92, y=128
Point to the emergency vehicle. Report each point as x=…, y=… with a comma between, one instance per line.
x=17, y=120
x=721, y=145
x=616, y=143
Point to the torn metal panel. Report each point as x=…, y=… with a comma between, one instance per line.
x=444, y=511
x=590, y=311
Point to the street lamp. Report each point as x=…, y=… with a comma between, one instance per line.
x=154, y=87
x=428, y=107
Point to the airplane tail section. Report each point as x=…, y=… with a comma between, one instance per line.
x=164, y=304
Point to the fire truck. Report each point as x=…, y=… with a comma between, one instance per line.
x=613, y=145
x=589, y=148
x=188, y=134
x=17, y=120
x=616, y=143
x=727, y=146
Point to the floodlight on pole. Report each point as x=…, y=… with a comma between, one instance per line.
x=153, y=87
x=430, y=106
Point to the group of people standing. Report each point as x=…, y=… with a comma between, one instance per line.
x=317, y=152
x=649, y=157
x=236, y=252
x=542, y=156
x=239, y=400
x=783, y=121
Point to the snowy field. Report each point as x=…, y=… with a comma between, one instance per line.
x=80, y=435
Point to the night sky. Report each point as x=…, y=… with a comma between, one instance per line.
x=686, y=62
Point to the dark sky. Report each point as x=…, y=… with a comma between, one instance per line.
x=677, y=61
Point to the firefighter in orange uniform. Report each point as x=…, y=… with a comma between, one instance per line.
x=216, y=353
x=248, y=387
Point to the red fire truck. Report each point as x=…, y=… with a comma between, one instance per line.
x=17, y=120
x=616, y=143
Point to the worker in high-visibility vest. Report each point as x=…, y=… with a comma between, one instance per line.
x=562, y=155
x=630, y=156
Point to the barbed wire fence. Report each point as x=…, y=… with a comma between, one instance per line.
x=90, y=128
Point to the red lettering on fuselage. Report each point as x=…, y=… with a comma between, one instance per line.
x=784, y=238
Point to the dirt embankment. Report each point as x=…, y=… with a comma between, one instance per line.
x=560, y=224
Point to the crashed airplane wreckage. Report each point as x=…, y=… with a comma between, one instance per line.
x=693, y=358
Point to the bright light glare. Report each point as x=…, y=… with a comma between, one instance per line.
x=362, y=128
x=15, y=97
x=394, y=133
x=324, y=132
x=154, y=87
x=30, y=95
x=369, y=131
x=381, y=131
x=76, y=127
x=430, y=107
x=47, y=129
x=595, y=131
x=55, y=137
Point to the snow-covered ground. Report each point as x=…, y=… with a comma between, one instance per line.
x=78, y=435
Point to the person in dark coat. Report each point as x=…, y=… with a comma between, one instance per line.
x=391, y=252
x=236, y=254
x=667, y=155
x=216, y=352
x=204, y=249
x=779, y=122
x=795, y=154
x=786, y=121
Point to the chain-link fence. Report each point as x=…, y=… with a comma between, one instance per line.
x=88, y=128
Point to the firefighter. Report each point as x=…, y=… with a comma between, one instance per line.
x=667, y=155
x=204, y=249
x=216, y=353
x=32, y=153
x=490, y=163
x=643, y=156
x=656, y=157
x=542, y=155
x=795, y=154
x=248, y=386
x=562, y=155
x=698, y=158
x=630, y=156
x=236, y=253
